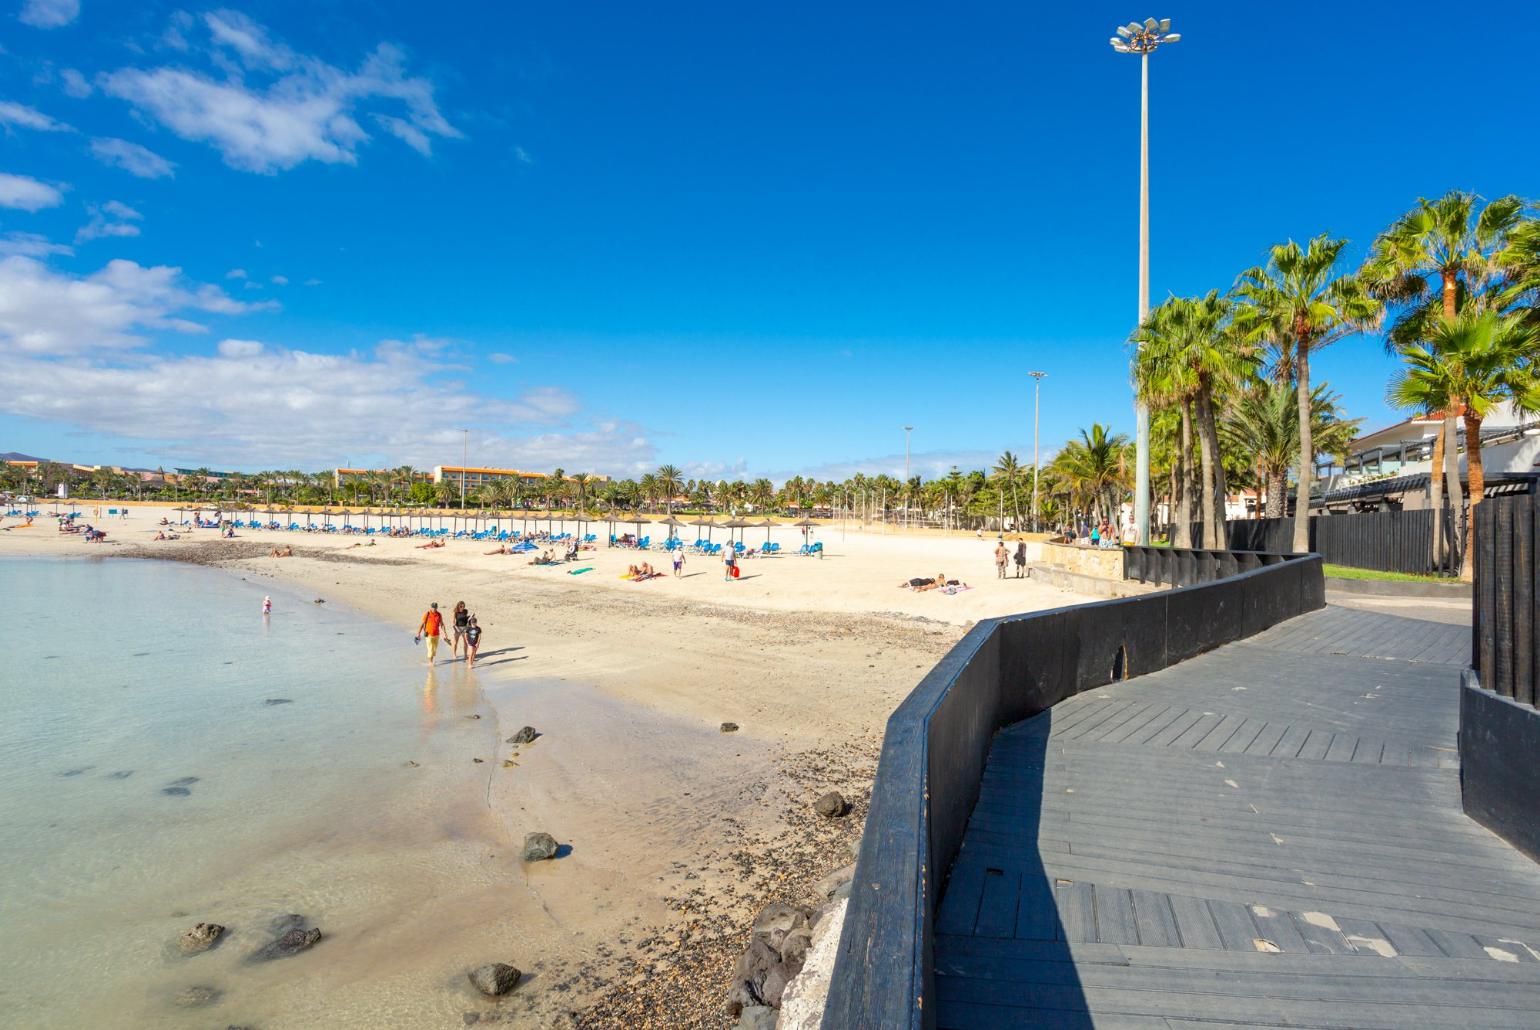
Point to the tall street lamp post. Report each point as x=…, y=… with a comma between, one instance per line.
x=465, y=451
x=907, y=431
x=1143, y=39
x=1037, y=391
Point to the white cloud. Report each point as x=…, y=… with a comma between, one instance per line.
x=30, y=244
x=279, y=280
x=236, y=273
x=27, y=194
x=307, y=109
x=20, y=116
x=265, y=405
x=132, y=158
x=312, y=282
x=929, y=464
x=47, y=312
x=239, y=348
x=499, y=358
x=523, y=156
x=49, y=14
x=110, y=219
x=74, y=84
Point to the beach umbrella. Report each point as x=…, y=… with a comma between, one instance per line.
x=734, y=523
x=672, y=524
x=708, y=523
x=767, y=526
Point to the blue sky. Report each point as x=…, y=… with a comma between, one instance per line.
x=744, y=241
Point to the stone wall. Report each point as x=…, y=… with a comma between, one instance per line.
x=1103, y=563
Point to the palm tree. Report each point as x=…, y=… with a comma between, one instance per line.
x=1263, y=427
x=669, y=481
x=1480, y=358
x=1008, y=470
x=1298, y=303
x=1095, y=469
x=1188, y=351
x=1446, y=241
x=580, y=481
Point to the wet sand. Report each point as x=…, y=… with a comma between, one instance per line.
x=678, y=833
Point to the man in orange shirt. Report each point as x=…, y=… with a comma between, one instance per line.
x=431, y=626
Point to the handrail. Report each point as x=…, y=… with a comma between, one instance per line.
x=933, y=752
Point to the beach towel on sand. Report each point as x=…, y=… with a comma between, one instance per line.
x=579, y=572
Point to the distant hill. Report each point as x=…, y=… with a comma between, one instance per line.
x=16, y=456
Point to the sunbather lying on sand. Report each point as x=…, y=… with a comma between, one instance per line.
x=498, y=550
x=277, y=552
x=920, y=585
x=430, y=543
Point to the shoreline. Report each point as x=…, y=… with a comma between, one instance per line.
x=679, y=833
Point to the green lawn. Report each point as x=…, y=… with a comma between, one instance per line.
x=1347, y=572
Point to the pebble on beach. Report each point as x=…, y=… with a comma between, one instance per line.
x=832, y=805
x=526, y=735
x=729, y=727
x=538, y=847
x=495, y=979
x=200, y=938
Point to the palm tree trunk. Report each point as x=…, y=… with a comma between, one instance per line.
x=1182, y=534
x=1453, y=494
x=1213, y=475
x=1277, y=493
x=1478, y=481
x=1436, y=495
x=1306, y=449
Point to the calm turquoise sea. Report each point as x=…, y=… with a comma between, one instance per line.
x=168, y=754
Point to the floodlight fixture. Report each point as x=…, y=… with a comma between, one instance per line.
x=1144, y=37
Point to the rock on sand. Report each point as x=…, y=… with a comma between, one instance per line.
x=832, y=805
x=200, y=938
x=538, y=847
x=495, y=978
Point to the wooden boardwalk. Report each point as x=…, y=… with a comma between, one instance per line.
x=1267, y=835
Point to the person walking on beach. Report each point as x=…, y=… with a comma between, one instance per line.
x=679, y=563
x=462, y=617
x=472, y=640
x=1021, y=558
x=1002, y=556
x=431, y=626
x=729, y=562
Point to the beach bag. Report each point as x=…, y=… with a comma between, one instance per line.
x=735, y=572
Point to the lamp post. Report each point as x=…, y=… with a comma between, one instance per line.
x=907, y=431
x=1037, y=393
x=1143, y=39
x=465, y=451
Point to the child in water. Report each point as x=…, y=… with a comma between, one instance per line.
x=267, y=606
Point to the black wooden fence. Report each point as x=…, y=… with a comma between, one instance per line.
x=1504, y=641
x=1499, y=724
x=933, y=754
x=1386, y=541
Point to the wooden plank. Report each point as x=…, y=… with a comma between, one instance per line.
x=1115, y=916
x=1236, y=929
x=997, y=904
x=1154, y=920
x=1077, y=911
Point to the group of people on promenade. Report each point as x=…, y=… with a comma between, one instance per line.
x=463, y=631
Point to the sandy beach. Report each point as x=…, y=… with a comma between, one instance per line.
x=678, y=832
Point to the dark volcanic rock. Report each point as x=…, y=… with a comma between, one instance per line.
x=526, y=735
x=495, y=978
x=538, y=847
x=729, y=727
x=278, y=701
x=195, y=997
x=280, y=925
x=176, y=792
x=200, y=938
x=832, y=805
x=291, y=943
x=185, y=781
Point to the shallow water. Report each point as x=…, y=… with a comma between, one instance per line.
x=146, y=784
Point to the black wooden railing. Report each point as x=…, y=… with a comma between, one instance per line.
x=1181, y=566
x=1503, y=638
x=1499, y=724
x=933, y=754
